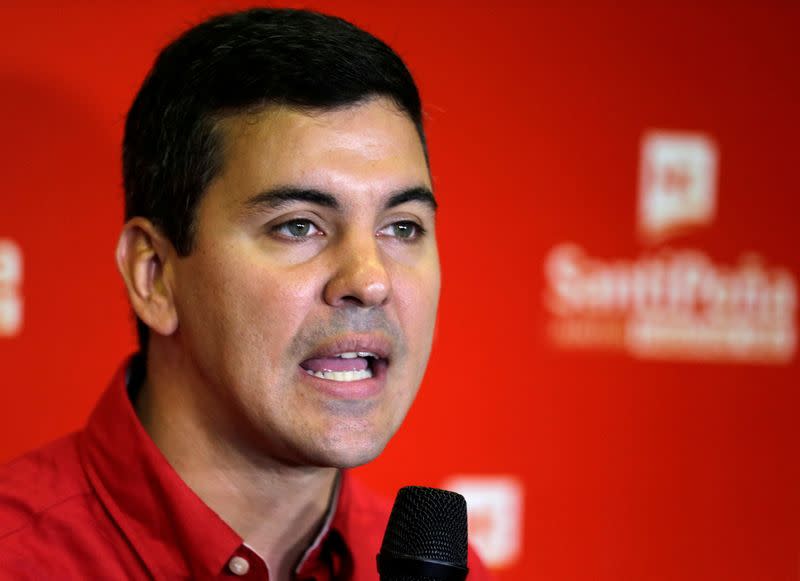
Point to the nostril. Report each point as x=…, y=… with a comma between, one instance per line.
x=358, y=287
x=352, y=300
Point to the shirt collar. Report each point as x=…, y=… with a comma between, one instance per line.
x=174, y=532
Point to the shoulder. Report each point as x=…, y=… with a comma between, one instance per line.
x=42, y=484
x=50, y=518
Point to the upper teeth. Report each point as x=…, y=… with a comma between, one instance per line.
x=354, y=354
x=342, y=375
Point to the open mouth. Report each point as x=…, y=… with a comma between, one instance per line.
x=346, y=366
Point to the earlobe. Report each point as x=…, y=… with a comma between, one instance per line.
x=143, y=259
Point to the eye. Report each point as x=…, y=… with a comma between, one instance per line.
x=297, y=229
x=404, y=230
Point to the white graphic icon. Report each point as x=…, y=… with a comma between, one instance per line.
x=494, y=504
x=677, y=183
x=10, y=280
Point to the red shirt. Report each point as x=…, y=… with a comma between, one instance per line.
x=104, y=503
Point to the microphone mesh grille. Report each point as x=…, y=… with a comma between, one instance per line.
x=428, y=523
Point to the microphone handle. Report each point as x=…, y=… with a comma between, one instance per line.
x=407, y=568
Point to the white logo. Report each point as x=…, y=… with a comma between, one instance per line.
x=10, y=280
x=673, y=303
x=677, y=183
x=494, y=506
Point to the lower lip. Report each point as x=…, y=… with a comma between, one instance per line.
x=350, y=390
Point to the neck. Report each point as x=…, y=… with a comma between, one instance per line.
x=277, y=509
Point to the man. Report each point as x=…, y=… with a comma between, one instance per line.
x=280, y=256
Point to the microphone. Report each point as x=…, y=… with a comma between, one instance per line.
x=426, y=537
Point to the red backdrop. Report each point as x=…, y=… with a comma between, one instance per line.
x=626, y=409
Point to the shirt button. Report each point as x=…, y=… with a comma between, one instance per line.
x=238, y=565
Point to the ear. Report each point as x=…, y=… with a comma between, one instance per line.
x=144, y=257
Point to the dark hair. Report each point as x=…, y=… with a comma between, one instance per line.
x=235, y=63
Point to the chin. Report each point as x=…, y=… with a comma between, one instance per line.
x=348, y=452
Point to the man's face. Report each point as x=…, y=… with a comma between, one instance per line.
x=307, y=307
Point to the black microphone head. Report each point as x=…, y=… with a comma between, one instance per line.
x=427, y=526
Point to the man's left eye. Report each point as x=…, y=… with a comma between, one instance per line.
x=405, y=230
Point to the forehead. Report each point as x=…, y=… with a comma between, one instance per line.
x=361, y=150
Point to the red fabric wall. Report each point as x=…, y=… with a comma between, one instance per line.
x=590, y=414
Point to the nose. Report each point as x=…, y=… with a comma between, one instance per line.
x=359, y=276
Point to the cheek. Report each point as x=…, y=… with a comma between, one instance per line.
x=416, y=293
x=243, y=305
x=272, y=304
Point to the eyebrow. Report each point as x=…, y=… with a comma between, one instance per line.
x=280, y=197
x=418, y=194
